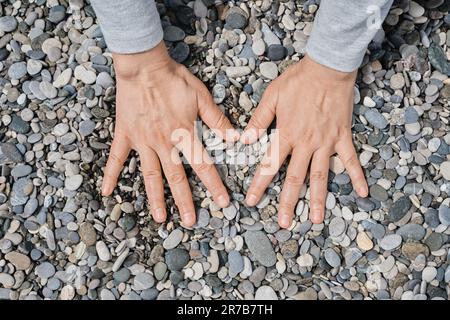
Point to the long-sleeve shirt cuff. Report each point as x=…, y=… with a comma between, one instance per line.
x=342, y=31
x=129, y=26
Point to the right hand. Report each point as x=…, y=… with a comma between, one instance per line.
x=156, y=97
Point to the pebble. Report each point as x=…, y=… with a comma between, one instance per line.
x=19, y=260
x=236, y=263
x=8, y=23
x=173, y=240
x=176, y=259
x=143, y=281
x=102, y=251
x=265, y=293
x=260, y=247
x=268, y=70
x=73, y=182
x=390, y=242
x=332, y=258
x=45, y=270
x=444, y=214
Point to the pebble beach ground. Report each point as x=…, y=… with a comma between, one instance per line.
x=60, y=239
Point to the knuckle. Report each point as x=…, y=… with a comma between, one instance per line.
x=255, y=121
x=318, y=176
x=286, y=208
x=114, y=158
x=351, y=161
x=221, y=122
x=176, y=178
x=151, y=174
x=293, y=180
x=203, y=167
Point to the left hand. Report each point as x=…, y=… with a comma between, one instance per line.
x=313, y=105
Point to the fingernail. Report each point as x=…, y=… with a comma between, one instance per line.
x=159, y=215
x=252, y=200
x=245, y=137
x=234, y=135
x=316, y=216
x=188, y=219
x=222, y=201
x=362, y=191
x=284, y=221
x=104, y=190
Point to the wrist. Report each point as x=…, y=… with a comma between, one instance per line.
x=138, y=65
x=323, y=71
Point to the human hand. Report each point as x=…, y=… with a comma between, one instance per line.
x=313, y=105
x=157, y=101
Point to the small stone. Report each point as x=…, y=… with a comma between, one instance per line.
x=364, y=242
x=444, y=214
x=173, y=239
x=19, y=260
x=265, y=293
x=397, y=81
x=268, y=70
x=57, y=13
x=84, y=75
x=143, y=281
x=337, y=226
x=45, y=270
x=103, y=251
x=375, y=118
x=230, y=212
x=391, y=242
x=332, y=258
x=276, y=52
x=17, y=70
x=445, y=170
x=87, y=233
x=260, y=247
x=236, y=263
x=63, y=79
x=236, y=18
x=73, y=182
x=289, y=249
x=173, y=33
x=176, y=259
x=8, y=23
x=399, y=209
x=429, y=273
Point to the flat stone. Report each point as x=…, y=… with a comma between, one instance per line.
x=332, y=258
x=17, y=70
x=260, y=247
x=19, y=260
x=73, y=182
x=143, y=281
x=411, y=231
x=375, y=118
x=102, y=250
x=63, y=79
x=289, y=249
x=236, y=263
x=268, y=70
x=236, y=18
x=337, y=226
x=429, y=273
x=173, y=240
x=445, y=170
x=364, y=242
x=399, y=209
x=397, y=81
x=176, y=259
x=173, y=33
x=87, y=233
x=230, y=212
x=8, y=23
x=390, y=242
x=45, y=270
x=444, y=214
x=265, y=293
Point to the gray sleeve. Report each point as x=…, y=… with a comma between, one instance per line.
x=129, y=26
x=342, y=31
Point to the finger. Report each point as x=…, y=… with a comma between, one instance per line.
x=295, y=177
x=204, y=167
x=151, y=171
x=318, y=179
x=117, y=156
x=346, y=151
x=178, y=183
x=210, y=113
x=262, y=117
x=269, y=166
